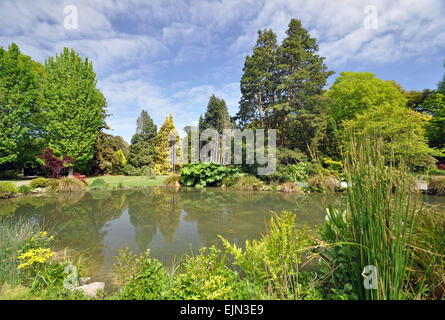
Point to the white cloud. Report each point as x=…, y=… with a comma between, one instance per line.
x=139, y=47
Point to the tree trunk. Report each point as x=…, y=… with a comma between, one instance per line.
x=70, y=171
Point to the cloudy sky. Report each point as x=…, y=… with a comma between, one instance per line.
x=170, y=56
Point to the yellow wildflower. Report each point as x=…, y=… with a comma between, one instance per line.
x=32, y=256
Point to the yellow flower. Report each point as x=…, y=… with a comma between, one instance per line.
x=32, y=256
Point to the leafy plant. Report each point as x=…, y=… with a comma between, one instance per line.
x=148, y=279
x=24, y=189
x=298, y=171
x=205, y=174
x=206, y=277
x=273, y=260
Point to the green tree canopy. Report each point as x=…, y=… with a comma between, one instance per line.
x=403, y=130
x=73, y=108
x=19, y=108
x=355, y=93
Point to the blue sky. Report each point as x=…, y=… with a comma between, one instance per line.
x=170, y=56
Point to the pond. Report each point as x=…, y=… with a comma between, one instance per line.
x=167, y=221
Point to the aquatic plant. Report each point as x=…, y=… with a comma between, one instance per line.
x=377, y=227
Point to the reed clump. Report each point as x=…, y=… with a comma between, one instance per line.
x=376, y=229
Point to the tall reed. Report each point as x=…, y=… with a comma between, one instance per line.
x=377, y=227
x=13, y=236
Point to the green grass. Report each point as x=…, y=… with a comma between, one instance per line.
x=126, y=181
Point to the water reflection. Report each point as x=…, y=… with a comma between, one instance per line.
x=166, y=221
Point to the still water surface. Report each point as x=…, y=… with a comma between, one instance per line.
x=167, y=221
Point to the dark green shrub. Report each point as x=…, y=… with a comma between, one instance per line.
x=9, y=175
x=205, y=174
x=98, y=184
x=148, y=172
x=39, y=183
x=7, y=189
x=131, y=171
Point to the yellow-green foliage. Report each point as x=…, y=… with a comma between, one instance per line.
x=7, y=189
x=163, y=145
x=39, y=183
x=205, y=277
x=273, y=260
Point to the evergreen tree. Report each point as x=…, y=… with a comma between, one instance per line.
x=19, y=109
x=73, y=108
x=302, y=76
x=259, y=81
x=142, y=142
x=216, y=117
x=166, y=148
x=441, y=85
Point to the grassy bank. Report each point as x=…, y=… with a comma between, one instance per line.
x=129, y=182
